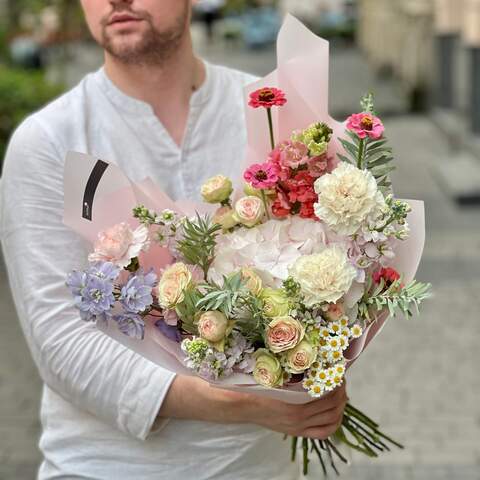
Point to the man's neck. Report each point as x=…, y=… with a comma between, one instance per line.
x=167, y=87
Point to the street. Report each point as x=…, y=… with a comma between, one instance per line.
x=419, y=379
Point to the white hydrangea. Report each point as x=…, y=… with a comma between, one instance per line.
x=348, y=198
x=325, y=276
x=270, y=248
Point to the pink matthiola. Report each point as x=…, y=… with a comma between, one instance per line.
x=366, y=125
x=318, y=166
x=267, y=97
x=275, y=158
x=281, y=207
x=262, y=176
x=293, y=154
x=301, y=188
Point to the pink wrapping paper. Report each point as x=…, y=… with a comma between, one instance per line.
x=302, y=73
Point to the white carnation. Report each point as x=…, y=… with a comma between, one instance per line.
x=347, y=199
x=325, y=276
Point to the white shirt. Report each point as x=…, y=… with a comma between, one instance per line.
x=100, y=399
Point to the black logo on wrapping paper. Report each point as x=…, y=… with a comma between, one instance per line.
x=91, y=188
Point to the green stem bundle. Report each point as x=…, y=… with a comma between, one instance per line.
x=357, y=431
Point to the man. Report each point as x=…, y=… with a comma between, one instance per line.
x=108, y=413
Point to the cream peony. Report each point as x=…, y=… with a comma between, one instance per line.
x=284, y=333
x=347, y=199
x=325, y=276
x=171, y=288
x=217, y=189
x=300, y=358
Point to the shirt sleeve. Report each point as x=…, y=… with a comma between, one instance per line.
x=80, y=363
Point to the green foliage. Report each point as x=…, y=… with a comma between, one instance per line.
x=395, y=298
x=372, y=155
x=188, y=310
x=234, y=299
x=223, y=298
x=197, y=246
x=21, y=93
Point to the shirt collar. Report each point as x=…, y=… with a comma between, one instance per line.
x=139, y=107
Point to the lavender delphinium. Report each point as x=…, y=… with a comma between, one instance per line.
x=131, y=325
x=136, y=294
x=93, y=290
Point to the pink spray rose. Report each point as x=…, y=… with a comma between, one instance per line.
x=212, y=326
x=284, y=333
x=366, y=125
x=119, y=244
x=249, y=211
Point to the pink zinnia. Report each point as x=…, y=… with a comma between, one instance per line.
x=267, y=97
x=366, y=125
x=262, y=176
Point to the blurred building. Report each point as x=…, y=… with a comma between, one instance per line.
x=430, y=46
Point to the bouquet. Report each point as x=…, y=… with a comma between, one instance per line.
x=279, y=289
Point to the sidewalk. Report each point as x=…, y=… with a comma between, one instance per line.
x=419, y=379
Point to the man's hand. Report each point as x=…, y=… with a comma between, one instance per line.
x=317, y=419
x=192, y=398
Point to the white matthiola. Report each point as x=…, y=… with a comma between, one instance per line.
x=348, y=198
x=324, y=277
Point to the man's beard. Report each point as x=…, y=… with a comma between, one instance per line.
x=153, y=48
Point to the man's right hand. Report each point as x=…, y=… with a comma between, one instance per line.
x=192, y=398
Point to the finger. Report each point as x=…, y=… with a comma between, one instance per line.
x=320, y=433
x=332, y=416
x=333, y=399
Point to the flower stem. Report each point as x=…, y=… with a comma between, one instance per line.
x=270, y=126
x=294, y=448
x=361, y=146
x=305, y=455
x=265, y=203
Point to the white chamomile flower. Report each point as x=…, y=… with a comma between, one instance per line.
x=316, y=391
x=344, y=322
x=324, y=332
x=329, y=386
x=343, y=342
x=340, y=369
x=335, y=327
x=308, y=383
x=337, y=380
x=322, y=376
x=334, y=344
x=324, y=355
x=356, y=331
x=335, y=356
x=345, y=332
